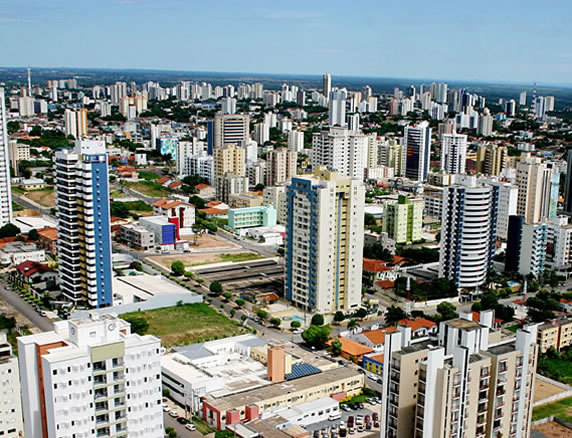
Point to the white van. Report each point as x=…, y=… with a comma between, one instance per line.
x=334, y=416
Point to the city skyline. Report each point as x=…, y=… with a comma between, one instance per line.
x=300, y=39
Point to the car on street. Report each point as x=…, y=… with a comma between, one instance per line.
x=368, y=425
x=343, y=433
x=351, y=430
x=182, y=420
x=173, y=413
x=345, y=408
x=375, y=416
x=360, y=405
x=166, y=408
x=360, y=428
x=376, y=424
x=190, y=426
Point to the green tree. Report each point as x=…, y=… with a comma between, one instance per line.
x=489, y=301
x=353, y=324
x=369, y=220
x=361, y=313
x=447, y=311
x=275, y=322
x=12, y=127
x=232, y=313
x=139, y=324
x=226, y=295
x=336, y=347
x=262, y=314
x=339, y=316
x=178, y=268
x=394, y=314
x=239, y=302
x=316, y=336
x=9, y=230
x=317, y=319
x=215, y=287
x=243, y=317
x=166, y=392
x=138, y=266
x=295, y=324
x=33, y=234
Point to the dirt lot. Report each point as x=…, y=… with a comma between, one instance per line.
x=543, y=390
x=553, y=430
x=44, y=198
x=21, y=320
x=209, y=241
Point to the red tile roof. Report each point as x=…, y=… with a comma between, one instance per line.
x=29, y=268
x=214, y=211
x=175, y=184
x=163, y=180
x=386, y=284
x=352, y=348
x=417, y=323
x=377, y=337
x=202, y=186
x=49, y=233
x=377, y=358
x=477, y=317
x=213, y=203
x=371, y=265
x=398, y=260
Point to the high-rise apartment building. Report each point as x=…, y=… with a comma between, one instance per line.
x=324, y=242
x=18, y=152
x=468, y=232
x=526, y=247
x=522, y=98
x=230, y=129
x=568, y=182
x=491, y=159
x=337, y=107
x=230, y=159
x=391, y=155
x=453, y=152
x=280, y=166
x=228, y=105
x=485, y=124
x=75, y=123
x=89, y=378
x=327, y=85
x=469, y=383
x=296, y=140
x=417, y=151
x=507, y=202
x=403, y=221
x=340, y=150
x=84, y=232
x=538, y=185
x=5, y=186
x=10, y=403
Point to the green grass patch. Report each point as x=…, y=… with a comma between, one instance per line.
x=240, y=257
x=147, y=175
x=202, y=426
x=561, y=409
x=16, y=206
x=556, y=368
x=18, y=190
x=149, y=188
x=188, y=324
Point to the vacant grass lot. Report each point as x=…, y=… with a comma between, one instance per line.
x=557, y=366
x=239, y=257
x=149, y=188
x=188, y=324
x=561, y=409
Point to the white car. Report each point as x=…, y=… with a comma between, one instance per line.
x=190, y=426
x=173, y=413
x=166, y=408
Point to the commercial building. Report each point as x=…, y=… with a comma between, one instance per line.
x=182, y=214
x=84, y=231
x=417, y=151
x=340, y=150
x=263, y=216
x=91, y=377
x=469, y=383
x=324, y=242
x=10, y=403
x=468, y=232
x=229, y=129
x=555, y=334
x=222, y=412
x=166, y=232
x=5, y=189
x=453, y=152
x=137, y=236
x=403, y=221
x=538, y=185
x=280, y=166
x=229, y=159
x=17, y=252
x=526, y=247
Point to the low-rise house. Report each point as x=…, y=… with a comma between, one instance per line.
x=126, y=172
x=377, y=270
x=34, y=275
x=32, y=184
x=352, y=350
x=556, y=334
x=48, y=239
x=180, y=213
x=205, y=191
x=420, y=327
x=373, y=363
x=14, y=253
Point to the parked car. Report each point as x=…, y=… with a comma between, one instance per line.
x=166, y=408
x=367, y=418
x=173, y=413
x=375, y=416
x=190, y=426
x=342, y=424
x=359, y=419
x=182, y=420
x=376, y=424
x=316, y=434
x=360, y=428
x=351, y=421
x=368, y=425
x=343, y=433
x=351, y=430
x=360, y=405
x=345, y=408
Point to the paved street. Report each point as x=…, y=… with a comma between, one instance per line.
x=368, y=410
x=179, y=428
x=14, y=300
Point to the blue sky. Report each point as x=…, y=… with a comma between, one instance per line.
x=502, y=40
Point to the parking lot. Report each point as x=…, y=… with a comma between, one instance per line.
x=368, y=409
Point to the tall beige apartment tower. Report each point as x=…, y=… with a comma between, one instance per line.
x=491, y=159
x=230, y=129
x=469, y=383
x=280, y=166
x=538, y=184
x=230, y=159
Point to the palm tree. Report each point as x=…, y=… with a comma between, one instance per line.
x=353, y=324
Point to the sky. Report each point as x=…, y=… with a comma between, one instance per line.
x=499, y=41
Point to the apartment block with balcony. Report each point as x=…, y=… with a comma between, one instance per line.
x=91, y=378
x=555, y=334
x=84, y=230
x=11, y=425
x=526, y=247
x=469, y=383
